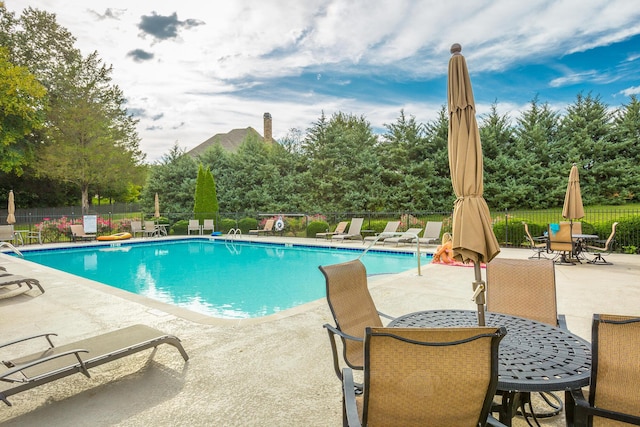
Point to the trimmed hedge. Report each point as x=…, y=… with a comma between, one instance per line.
x=315, y=227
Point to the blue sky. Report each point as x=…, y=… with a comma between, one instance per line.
x=191, y=69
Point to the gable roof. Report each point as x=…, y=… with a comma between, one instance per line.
x=230, y=141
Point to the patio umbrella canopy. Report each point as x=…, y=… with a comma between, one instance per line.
x=157, y=205
x=473, y=237
x=572, y=208
x=11, y=207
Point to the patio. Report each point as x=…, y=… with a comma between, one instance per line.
x=250, y=372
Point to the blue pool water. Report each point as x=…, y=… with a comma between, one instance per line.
x=210, y=277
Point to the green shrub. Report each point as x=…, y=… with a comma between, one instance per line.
x=226, y=224
x=246, y=224
x=315, y=227
x=180, y=227
x=513, y=233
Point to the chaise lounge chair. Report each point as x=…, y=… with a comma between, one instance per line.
x=406, y=237
x=53, y=363
x=77, y=233
x=389, y=231
x=13, y=284
x=353, y=233
x=268, y=228
x=431, y=233
x=340, y=229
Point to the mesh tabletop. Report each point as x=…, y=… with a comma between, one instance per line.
x=533, y=356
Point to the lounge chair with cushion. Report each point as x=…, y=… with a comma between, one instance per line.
x=268, y=228
x=526, y=288
x=605, y=249
x=389, y=231
x=353, y=233
x=615, y=375
x=340, y=229
x=425, y=377
x=406, y=237
x=352, y=308
x=52, y=363
x=431, y=233
x=77, y=233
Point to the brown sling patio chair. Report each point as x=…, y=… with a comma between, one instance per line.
x=78, y=233
x=53, y=363
x=606, y=249
x=614, y=392
x=539, y=248
x=353, y=310
x=425, y=377
x=268, y=228
x=561, y=242
x=526, y=288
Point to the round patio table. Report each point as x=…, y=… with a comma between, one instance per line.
x=533, y=356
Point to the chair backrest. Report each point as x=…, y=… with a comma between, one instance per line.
x=341, y=227
x=432, y=230
x=208, y=224
x=527, y=233
x=149, y=225
x=77, y=229
x=355, y=226
x=523, y=288
x=351, y=305
x=560, y=239
x=615, y=368
x=430, y=376
x=6, y=232
x=136, y=226
x=391, y=227
x=268, y=225
x=609, y=243
x=576, y=226
x=194, y=224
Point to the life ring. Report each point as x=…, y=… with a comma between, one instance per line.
x=279, y=225
x=117, y=236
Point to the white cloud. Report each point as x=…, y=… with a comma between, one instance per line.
x=195, y=83
x=634, y=90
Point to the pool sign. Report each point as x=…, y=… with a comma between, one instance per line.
x=90, y=223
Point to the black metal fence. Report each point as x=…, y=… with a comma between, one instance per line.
x=507, y=225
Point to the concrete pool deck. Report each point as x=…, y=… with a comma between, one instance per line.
x=260, y=372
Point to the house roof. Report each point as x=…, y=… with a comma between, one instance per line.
x=230, y=141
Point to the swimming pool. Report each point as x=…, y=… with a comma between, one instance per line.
x=239, y=280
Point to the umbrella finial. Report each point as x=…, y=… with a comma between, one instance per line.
x=456, y=48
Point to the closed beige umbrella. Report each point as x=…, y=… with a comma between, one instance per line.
x=11, y=207
x=157, y=204
x=572, y=208
x=473, y=238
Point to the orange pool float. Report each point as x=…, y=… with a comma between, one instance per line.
x=117, y=236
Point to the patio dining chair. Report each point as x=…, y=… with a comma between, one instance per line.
x=615, y=375
x=538, y=247
x=561, y=242
x=353, y=310
x=605, y=249
x=526, y=288
x=425, y=377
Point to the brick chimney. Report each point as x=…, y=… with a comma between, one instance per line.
x=268, y=128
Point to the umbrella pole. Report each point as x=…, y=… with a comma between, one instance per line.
x=478, y=292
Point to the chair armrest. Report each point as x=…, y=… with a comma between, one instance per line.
x=386, y=316
x=342, y=334
x=583, y=410
x=491, y=421
x=19, y=340
x=349, y=393
x=7, y=374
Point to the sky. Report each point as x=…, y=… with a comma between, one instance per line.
x=190, y=69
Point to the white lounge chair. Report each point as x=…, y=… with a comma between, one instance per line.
x=353, y=233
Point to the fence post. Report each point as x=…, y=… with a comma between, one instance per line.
x=506, y=227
